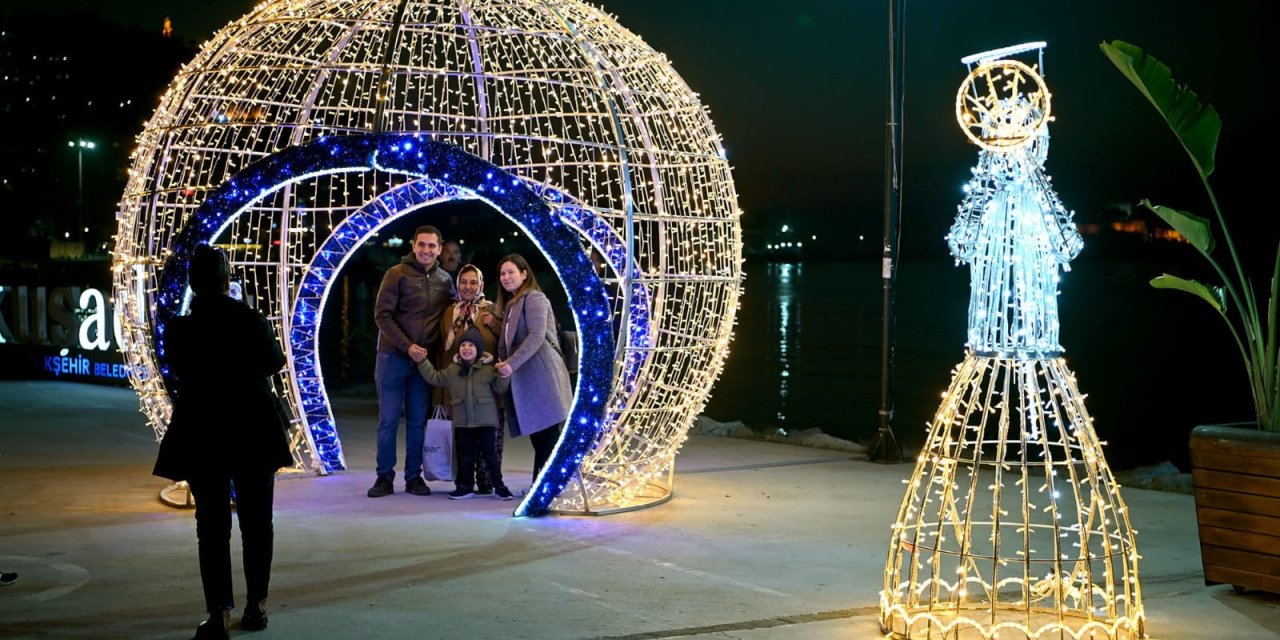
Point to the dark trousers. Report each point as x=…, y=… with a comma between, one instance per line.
x=473, y=443
x=484, y=480
x=543, y=443
x=255, y=492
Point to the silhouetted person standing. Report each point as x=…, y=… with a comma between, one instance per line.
x=227, y=430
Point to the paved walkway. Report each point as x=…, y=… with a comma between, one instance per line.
x=762, y=541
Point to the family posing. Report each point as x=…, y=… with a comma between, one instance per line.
x=497, y=363
x=226, y=437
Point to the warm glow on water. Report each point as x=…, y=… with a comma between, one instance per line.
x=806, y=353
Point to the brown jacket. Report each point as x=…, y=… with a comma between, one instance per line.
x=409, y=305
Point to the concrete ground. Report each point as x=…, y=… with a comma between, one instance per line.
x=761, y=541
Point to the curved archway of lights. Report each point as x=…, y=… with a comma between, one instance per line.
x=354, y=230
x=450, y=173
x=606, y=240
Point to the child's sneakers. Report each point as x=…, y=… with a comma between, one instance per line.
x=462, y=494
x=503, y=493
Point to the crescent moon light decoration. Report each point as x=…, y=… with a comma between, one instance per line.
x=303, y=127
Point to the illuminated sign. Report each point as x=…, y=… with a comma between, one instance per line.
x=61, y=317
x=66, y=363
x=60, y=332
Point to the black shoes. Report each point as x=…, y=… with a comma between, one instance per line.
x=7, y=578
x=416, y=486
x=255, y=617
x=382, y=487
x=461, y=494
x=503, y=493
x=218, y=626
x=215, y=628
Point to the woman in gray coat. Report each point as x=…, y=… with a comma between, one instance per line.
x=540, y=393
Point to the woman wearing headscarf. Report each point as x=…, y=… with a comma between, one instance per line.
x=472, y=310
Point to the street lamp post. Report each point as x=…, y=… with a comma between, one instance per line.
x=885, y=447
x=80, y=146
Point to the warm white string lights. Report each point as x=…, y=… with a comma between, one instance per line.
x=1012, y=525
x=552, y=91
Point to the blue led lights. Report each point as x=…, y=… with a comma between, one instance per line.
x=446, y=172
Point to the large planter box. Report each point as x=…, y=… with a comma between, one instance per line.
x=1237, y=486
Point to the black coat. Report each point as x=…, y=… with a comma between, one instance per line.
x=226, y=415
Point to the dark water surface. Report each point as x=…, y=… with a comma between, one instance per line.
x=806, y=353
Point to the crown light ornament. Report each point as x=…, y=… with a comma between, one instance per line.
x=305, y=126
x=1012, y=525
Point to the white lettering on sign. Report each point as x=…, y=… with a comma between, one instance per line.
x=93, y=327
x=62, y=317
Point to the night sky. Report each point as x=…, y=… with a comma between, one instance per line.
x=797, y=89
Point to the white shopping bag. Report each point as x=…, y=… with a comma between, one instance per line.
x=437, y=447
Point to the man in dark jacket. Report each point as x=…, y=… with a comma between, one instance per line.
x=227, y=429
x=413, y=296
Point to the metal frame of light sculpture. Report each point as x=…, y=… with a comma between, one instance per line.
x=554, y=92
x=994, y=107
x=612, y=248
x=1012, y=525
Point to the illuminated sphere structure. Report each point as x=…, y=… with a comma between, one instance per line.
x=303, y=127
x=1012, y=525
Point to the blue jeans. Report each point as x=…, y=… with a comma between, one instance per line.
x=401, y=392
